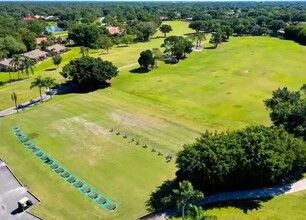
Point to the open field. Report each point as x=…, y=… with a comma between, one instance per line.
x=165, y=108
x=120, y=56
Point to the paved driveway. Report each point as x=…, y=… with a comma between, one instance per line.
x=11, y=191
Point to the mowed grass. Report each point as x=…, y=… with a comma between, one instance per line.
x=214, y=89
x=120, y=56
x=281, y=207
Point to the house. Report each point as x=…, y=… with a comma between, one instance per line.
x=56, y=49
x=36, y=55
x=5, y=64
x=113, y=30
x=51, y=18
x=41, y=39
x=29, y=18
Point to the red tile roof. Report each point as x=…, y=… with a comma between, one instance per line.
x=28, y=18
x=114, y=30
x=40, y=39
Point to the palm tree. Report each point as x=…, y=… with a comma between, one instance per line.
x=185, y=195
x=15, y=63
x=14, y=99
x=195, y=213
x=40, y=83
x=49, y=83
x=84, y=51
x=216, y=39
x=28, y=65
x=198, y=37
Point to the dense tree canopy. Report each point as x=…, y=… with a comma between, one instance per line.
x=288, y=110
x=177, y=47
x=249, y=158
x=89, y=73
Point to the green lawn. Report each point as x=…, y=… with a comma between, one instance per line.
x=120, y=56
x=164, y=109
x=279, y=208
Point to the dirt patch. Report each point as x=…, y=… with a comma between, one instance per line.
x=136, y=120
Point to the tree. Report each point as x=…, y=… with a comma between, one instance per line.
x=252, y=157
x=288, y=110
x=27, y=66
x=84, y=51
x=49, y=83
x=216, y=39
x=39, y=83
x=146, y=30
x=198, y=38
x=14, y=99
x=185, y=195
x=197, y=25
x=177, y=47
x=16, y=63
x=157, y=55
x=57, y=59
x=195, y=213
x=127, y=39
x=105, y=43
x=44, y=44
x=89, y=73
x=12, y=45
x=146, y=60
x=165, y=28
x=86, y=35
x=28, y=38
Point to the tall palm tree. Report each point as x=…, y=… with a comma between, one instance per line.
x=84, y=51
x=198, y=37
x=49, y=83
x=14, y=99
x=185, y=195
x=15, y=63
x=39, y=83
x=195, y=213
x=28, y=66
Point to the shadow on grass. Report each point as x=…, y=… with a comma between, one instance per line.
x=244, y=205
x=70, y=87
x=210, y=48
x=161, y=198
x=139, y=70
x=50, y=69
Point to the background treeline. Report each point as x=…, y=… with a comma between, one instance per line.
x=139, y=21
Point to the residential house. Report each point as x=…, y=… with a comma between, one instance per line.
x=56, y=49
x=5, y=64
x=41, y=39
x=113, y=30
x=36, y=55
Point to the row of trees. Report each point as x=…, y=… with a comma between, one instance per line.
x=253, y=157
x=296, y=33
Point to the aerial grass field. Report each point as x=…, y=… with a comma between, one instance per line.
x=164, y=109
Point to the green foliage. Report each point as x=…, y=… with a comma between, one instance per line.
x=176, y=47
x=127, y=39
x=57, y=59
x=253, y=157
x=288, y=110
x=145, y=30
x=89, y=73
x=165, y=28
x=146, y=60
x=39, y=83
x=27, y=65
x=185, y=195
x=86, y=35
x=12, y=46
x=104, y=42
x=28, y=38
